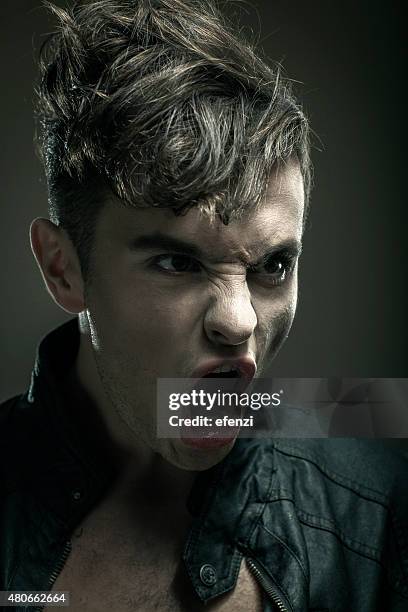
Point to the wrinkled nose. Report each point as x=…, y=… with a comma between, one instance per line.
x=230, y=318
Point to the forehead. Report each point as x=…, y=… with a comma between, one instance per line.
x=278, y=219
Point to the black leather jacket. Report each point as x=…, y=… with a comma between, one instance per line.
x=323, y=524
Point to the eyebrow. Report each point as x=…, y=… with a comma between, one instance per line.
x=162, y=242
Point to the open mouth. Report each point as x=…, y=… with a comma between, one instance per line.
x=208, y=407
x=230, y=374
x=242, y=369
x=223, y=382
x=228, y=379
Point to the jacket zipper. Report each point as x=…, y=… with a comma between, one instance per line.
x=58, y=568
x=267, y=585
x=60, y=563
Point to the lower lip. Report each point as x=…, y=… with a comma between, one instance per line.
x=207, y=443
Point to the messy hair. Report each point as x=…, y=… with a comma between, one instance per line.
x=162, y=104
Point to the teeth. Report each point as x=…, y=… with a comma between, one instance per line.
x=224, y=368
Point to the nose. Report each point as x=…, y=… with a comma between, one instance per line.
x=230, y=318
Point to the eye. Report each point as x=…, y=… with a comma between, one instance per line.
x=275, y=266
x=275, y=269
x=176, y=263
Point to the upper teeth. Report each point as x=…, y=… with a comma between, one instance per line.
x=224, y=368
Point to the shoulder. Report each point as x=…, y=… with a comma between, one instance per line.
x=351, y=492
x=16, y=422
x=18, y=418
x=354, y=463
x=7, y=411
x=25, y=441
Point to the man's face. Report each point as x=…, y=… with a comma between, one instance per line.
x=169, y=294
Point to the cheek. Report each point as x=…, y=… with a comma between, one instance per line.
x=281, y=325
x=127, y=314
x=275, y=319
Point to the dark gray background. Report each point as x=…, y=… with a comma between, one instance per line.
x=351, y=316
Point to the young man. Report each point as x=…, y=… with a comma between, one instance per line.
x=178, y=170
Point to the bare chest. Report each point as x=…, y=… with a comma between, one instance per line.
x=124, y=569
x=147, y=587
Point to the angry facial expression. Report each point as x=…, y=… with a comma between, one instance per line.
x=169, y=294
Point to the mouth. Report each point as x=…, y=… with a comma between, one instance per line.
x=234, y=376
x=242, y=369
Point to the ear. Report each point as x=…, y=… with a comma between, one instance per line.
x=59, y=264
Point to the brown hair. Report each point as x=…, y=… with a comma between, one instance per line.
x=162, y=104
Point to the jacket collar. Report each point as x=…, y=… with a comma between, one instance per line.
x=72, y=423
